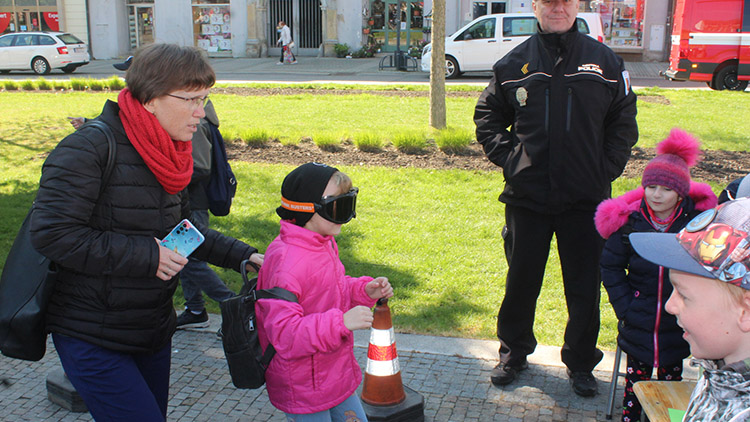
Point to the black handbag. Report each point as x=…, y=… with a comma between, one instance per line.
x=245, y=357
x=28, y=282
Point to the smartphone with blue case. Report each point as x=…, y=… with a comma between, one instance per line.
x=183, y=239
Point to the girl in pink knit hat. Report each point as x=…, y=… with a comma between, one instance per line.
x=666, y=201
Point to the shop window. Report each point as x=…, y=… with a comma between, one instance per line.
x=212, y=27
x=5, y=22
x=140, y=23
x=622, y=20
x=416, y=15
x=377, y=13
x=28, y=15
x=392, y=22
x=481, y=8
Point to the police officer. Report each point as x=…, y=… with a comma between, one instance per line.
x=559, y=117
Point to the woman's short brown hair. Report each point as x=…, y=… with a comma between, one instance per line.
x=159, y=69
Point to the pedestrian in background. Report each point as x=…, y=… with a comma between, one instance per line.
x=197, y=277
x=111, y=316
x=559, y=117
x=638, y=289
x=285, y=39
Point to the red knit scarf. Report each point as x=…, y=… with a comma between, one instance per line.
x=171, y=161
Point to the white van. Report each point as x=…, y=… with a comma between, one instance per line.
x=485, y=40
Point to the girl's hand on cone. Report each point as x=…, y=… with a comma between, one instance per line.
x=379, y=288
x=358, y=318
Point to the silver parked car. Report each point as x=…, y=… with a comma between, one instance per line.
x=42, y=52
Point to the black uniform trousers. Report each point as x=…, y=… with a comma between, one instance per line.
x=527, y=238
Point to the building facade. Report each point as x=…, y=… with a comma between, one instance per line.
x=637, y=29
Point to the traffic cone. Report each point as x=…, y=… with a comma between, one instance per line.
x=384, y=396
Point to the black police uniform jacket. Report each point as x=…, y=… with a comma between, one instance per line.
x=107, y=292
x=561, y=128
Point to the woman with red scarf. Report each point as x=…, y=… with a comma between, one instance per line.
x=111, y=316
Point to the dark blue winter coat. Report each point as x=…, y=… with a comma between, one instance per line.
x=639, y=289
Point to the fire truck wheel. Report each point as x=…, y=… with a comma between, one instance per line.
x=727, y=79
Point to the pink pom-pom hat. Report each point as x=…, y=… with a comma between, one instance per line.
x=671, y=166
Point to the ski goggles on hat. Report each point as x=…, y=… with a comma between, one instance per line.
x=339, y=209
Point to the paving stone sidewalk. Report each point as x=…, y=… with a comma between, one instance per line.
x=455, y=388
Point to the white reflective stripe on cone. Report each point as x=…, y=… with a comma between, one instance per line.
x=382, y=368
x=382, y=338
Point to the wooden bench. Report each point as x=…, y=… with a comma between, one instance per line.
x=656, y=397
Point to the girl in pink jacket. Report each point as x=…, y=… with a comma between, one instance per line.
x=314, y=374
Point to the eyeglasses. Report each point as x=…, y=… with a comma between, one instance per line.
x=195, y=102
x=339, y=209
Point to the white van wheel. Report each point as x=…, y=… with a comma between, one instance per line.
x=451, y=68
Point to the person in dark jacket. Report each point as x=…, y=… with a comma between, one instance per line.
x=638, y=289
x=197, y=277
x=111, y=316
x=737, y=188
x=559, y=117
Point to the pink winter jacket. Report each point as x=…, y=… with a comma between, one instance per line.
x=314, y=368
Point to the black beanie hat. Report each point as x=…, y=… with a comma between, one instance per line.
x=306, y=183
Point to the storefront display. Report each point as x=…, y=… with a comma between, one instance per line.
x=212, y=28
x=28, y=15
x=622, y=21
x=140, y=24
x=393, y=21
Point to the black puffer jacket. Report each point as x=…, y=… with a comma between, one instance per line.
x=637, y=289
x=561, y=130
x=107, y=291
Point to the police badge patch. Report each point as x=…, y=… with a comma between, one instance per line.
x=626, y=79
x=521, y=96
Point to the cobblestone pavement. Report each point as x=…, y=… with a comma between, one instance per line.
x=454, y=388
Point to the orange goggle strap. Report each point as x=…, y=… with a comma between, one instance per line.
x=297, y=206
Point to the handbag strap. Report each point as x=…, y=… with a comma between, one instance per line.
x=272, y=293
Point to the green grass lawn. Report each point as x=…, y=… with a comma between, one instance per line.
x=435, y=234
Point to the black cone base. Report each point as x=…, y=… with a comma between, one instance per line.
x=409, y=410
x=61, y=392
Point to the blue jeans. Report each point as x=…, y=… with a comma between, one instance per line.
x=196, y=277
x=117, y=386
x=350, y=410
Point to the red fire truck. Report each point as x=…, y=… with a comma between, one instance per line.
x=711, y=43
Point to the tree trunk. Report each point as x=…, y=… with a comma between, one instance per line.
x=437, y=66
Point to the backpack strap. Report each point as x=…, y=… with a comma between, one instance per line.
x=626, y=230
x=112, y=150
x=272, y=293
x=275, y=293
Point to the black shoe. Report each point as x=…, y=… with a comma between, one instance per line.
x=220, y=334
x=583, y=383
x=504, y=373
x=188, y=319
